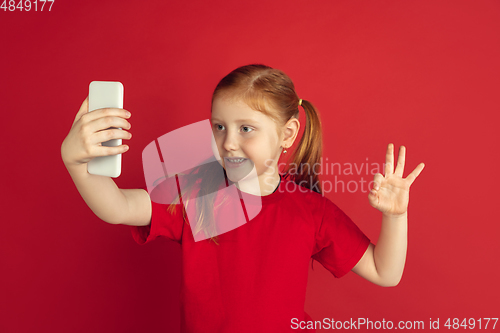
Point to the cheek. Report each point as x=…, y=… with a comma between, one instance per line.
x=257, y=149
x=216, y=145
x=252, y=143
x=264, y=148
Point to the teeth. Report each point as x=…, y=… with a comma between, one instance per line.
x=236, y=160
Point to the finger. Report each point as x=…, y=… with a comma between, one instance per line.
x=373, y=194
x=107, y=151
x=105, y=112
x=389, y=160
x=84, y=108
x=373, y=198
x=107, y=118
x=401, y=162
x=414, y=174
x=378, y=178
x=104, y=123
x=110, y=134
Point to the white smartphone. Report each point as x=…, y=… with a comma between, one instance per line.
x=106, y=94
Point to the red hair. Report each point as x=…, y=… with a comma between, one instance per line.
x=271, y=92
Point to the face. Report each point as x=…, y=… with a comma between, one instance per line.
x=241, y=132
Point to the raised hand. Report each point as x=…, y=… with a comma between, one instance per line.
x=90, y=129
x=390, y=193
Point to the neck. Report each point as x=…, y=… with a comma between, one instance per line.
x=266, y=185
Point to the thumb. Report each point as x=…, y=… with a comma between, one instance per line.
x=83, y=110
x=373, y=199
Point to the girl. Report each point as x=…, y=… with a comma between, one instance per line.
x=254, y=277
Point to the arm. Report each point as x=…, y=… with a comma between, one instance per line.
x=383, y=264
x=139, y=207
x=101, y=194
x=110, y=203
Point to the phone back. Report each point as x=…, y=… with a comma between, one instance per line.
x=106, y=94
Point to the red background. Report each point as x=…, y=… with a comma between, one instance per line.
x=424, y=74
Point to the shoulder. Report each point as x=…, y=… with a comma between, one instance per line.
x=166, y=190
x=297, y=195
x=314, y=202
x=293, y=186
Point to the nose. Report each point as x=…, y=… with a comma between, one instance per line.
x=230, y=141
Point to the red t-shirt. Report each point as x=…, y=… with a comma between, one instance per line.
x=255, y=279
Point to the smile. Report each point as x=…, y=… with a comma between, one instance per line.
x=234, y=162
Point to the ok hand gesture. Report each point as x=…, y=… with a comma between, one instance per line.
x=390, y=193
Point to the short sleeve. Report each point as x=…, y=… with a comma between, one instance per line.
x=340, y=243
x=163, y=223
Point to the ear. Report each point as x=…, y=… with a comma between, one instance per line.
x=290, y=132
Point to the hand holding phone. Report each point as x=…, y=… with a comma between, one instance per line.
x=89, y=129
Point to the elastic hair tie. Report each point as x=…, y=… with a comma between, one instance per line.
x=300, y=102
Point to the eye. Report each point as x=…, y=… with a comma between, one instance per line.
x=217, y=126
x=247, y=128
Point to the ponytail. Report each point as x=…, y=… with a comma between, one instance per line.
x=307, y=156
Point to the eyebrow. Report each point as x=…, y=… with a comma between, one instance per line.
x=239, y=120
